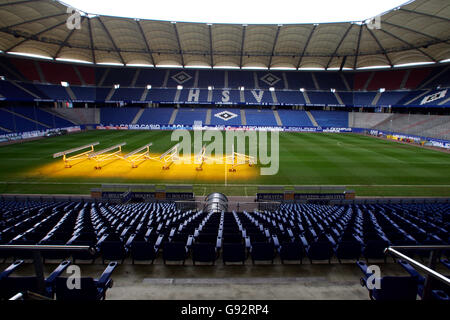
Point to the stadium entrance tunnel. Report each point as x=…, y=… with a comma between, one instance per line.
x=216, y=202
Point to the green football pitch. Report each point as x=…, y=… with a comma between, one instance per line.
x=370, y=166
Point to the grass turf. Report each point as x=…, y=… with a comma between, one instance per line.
x=371, y=167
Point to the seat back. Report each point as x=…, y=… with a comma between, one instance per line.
x=291, y=251
x=174, y=251
x=88, y=290
x=204, y=252
x=320, y=250
x=374, y=249
x=348, y=250
x=112, y=250
x=142, y=250
x=396, y=288
x=233, y=252
x=263, y=251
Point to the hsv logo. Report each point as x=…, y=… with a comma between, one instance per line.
x=434, y=97
x=181, y=77
x=226, y=115
x=270, y=79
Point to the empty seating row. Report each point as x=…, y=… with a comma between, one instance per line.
x=144, y=231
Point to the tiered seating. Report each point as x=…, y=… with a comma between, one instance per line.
x=258, y=97
x=151, y=77
x=291, y=97
x=295, y=118
x=202, y=96
x=84, y=93
x=346, y=97
x=8, y=70
x=27, y=68
x=419, y=125
x=17, y=123
x=54, y=92
x=327, y=98
x=122, y=76
x=327, y=80
x=363, y=98
x=360, y=80
x=127, y=94
x=238, y=79
x=142, y=231
x=230, y=122
x=260, y=118
x=42, y=117
x=7, y=120
x=368, y=119
x=390, y=80
x=159, y=116
x=189, y=116
x=331, y=118
x=87, y=74
x=102, y=93
x=181, y=77
x=442, y=80
x=411, y=95
x=211, y=78
x=297, y=80
x=11, y=92
x=272, y=79
x=161, y=95
x=117, y=116
x=57, y=72
x=416, y=77
x=232, y=96
x=391, y=98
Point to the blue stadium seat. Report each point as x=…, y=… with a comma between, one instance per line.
x=89, y=289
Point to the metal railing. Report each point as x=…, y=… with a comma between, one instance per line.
x=435, y=253
x=37, y=257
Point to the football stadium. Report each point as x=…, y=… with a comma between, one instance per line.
x=150, y=159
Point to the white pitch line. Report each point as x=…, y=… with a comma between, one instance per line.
x=236, y=185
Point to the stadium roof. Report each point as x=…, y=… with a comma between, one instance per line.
x=417, y=32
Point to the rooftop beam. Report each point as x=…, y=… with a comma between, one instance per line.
x=32, y=37
x=211, y=51
x=146, y=42
x=379, y=45
x=425, y=14
x=409, y=44
x=91, y=38
x=15, y=3
x=415, y=31
x=179, y=43
x=112, y=40
x=274, y=45
x=66, y=40
x=306, y=46
x=33, y=20
x=244, y=28
x=357, y=47
x=339, y=44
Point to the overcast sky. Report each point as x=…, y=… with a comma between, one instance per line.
x=240, y=11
